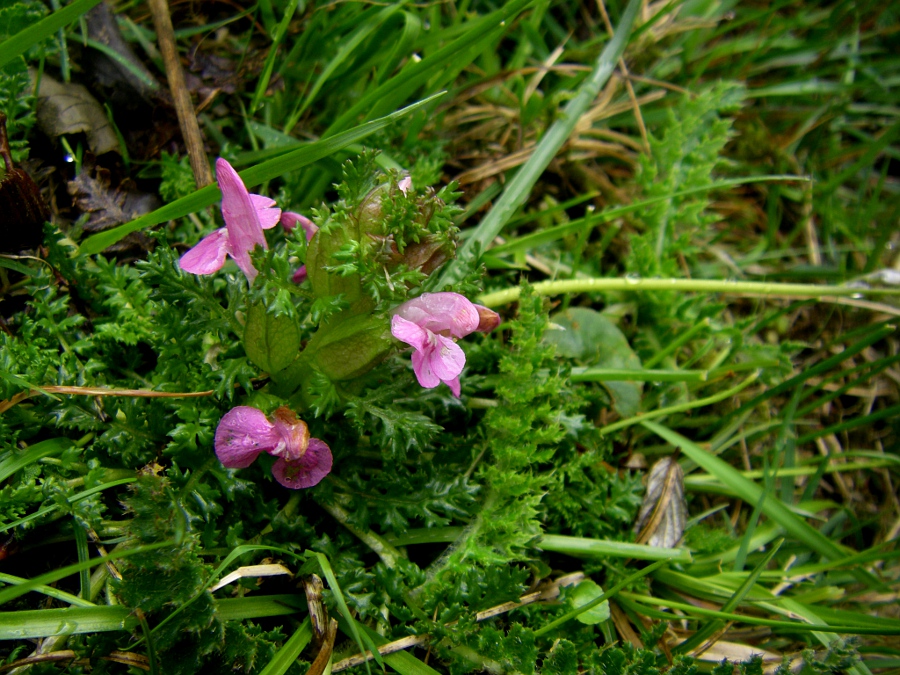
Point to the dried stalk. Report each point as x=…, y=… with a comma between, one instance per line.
x=187, y=119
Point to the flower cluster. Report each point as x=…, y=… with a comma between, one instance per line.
x=430, y=324
x=244, y=433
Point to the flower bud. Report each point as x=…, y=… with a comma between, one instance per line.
x=488, y=319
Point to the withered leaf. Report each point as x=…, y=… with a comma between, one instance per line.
x=108, y=207
x=71, y=109
x=663, y=511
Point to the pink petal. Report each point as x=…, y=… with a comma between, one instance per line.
x=441, y=312
x=454, y=386
x=405, y=185
x=446, y=358
x=307, y=471
x=241, y=219
x=300, y=275
x=208, y=256
x=409, y=332
x=422, y=368
x=290, y=220
x=266, y=211
x=242, y=434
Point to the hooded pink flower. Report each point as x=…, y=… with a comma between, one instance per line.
x=429, y=325
x=290, y=220
x=244, y=432
x=245, y=215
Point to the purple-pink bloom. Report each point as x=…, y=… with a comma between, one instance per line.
x=290, y=220
x=245, y=215
x=244, y=433
x=429, y=324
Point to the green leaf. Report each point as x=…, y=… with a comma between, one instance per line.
x=48, y=448
x=38, y=623
x=271, y=342
x=584, y=593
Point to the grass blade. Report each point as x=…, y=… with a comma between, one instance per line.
x=751, y=493
x=362, y=640
x=266, y=76
x=284, y=658
x=38, y=623
x=568, y=616
x=21, y=41
x=712, y=627
x=52, y=446
x=402, y=85
x=14, y=592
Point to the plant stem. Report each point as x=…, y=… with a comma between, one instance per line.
x=684, y=285
x=187, y=119
x=388, y=554
x=662, y=412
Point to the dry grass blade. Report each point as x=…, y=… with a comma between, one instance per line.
x=251, y=571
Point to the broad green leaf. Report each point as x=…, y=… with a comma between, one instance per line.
x=594, y=341
x=584, y=593
x=271, y=342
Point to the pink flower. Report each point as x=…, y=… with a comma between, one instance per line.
x=245, y=432
x=289, y=220
x=429, y=324
x=245, y=215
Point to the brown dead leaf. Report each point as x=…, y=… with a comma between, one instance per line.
x=108, y=207
x=72, y=109
x=663, y=511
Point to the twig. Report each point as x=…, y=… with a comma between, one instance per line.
x=187, y=119
x=64, y=655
